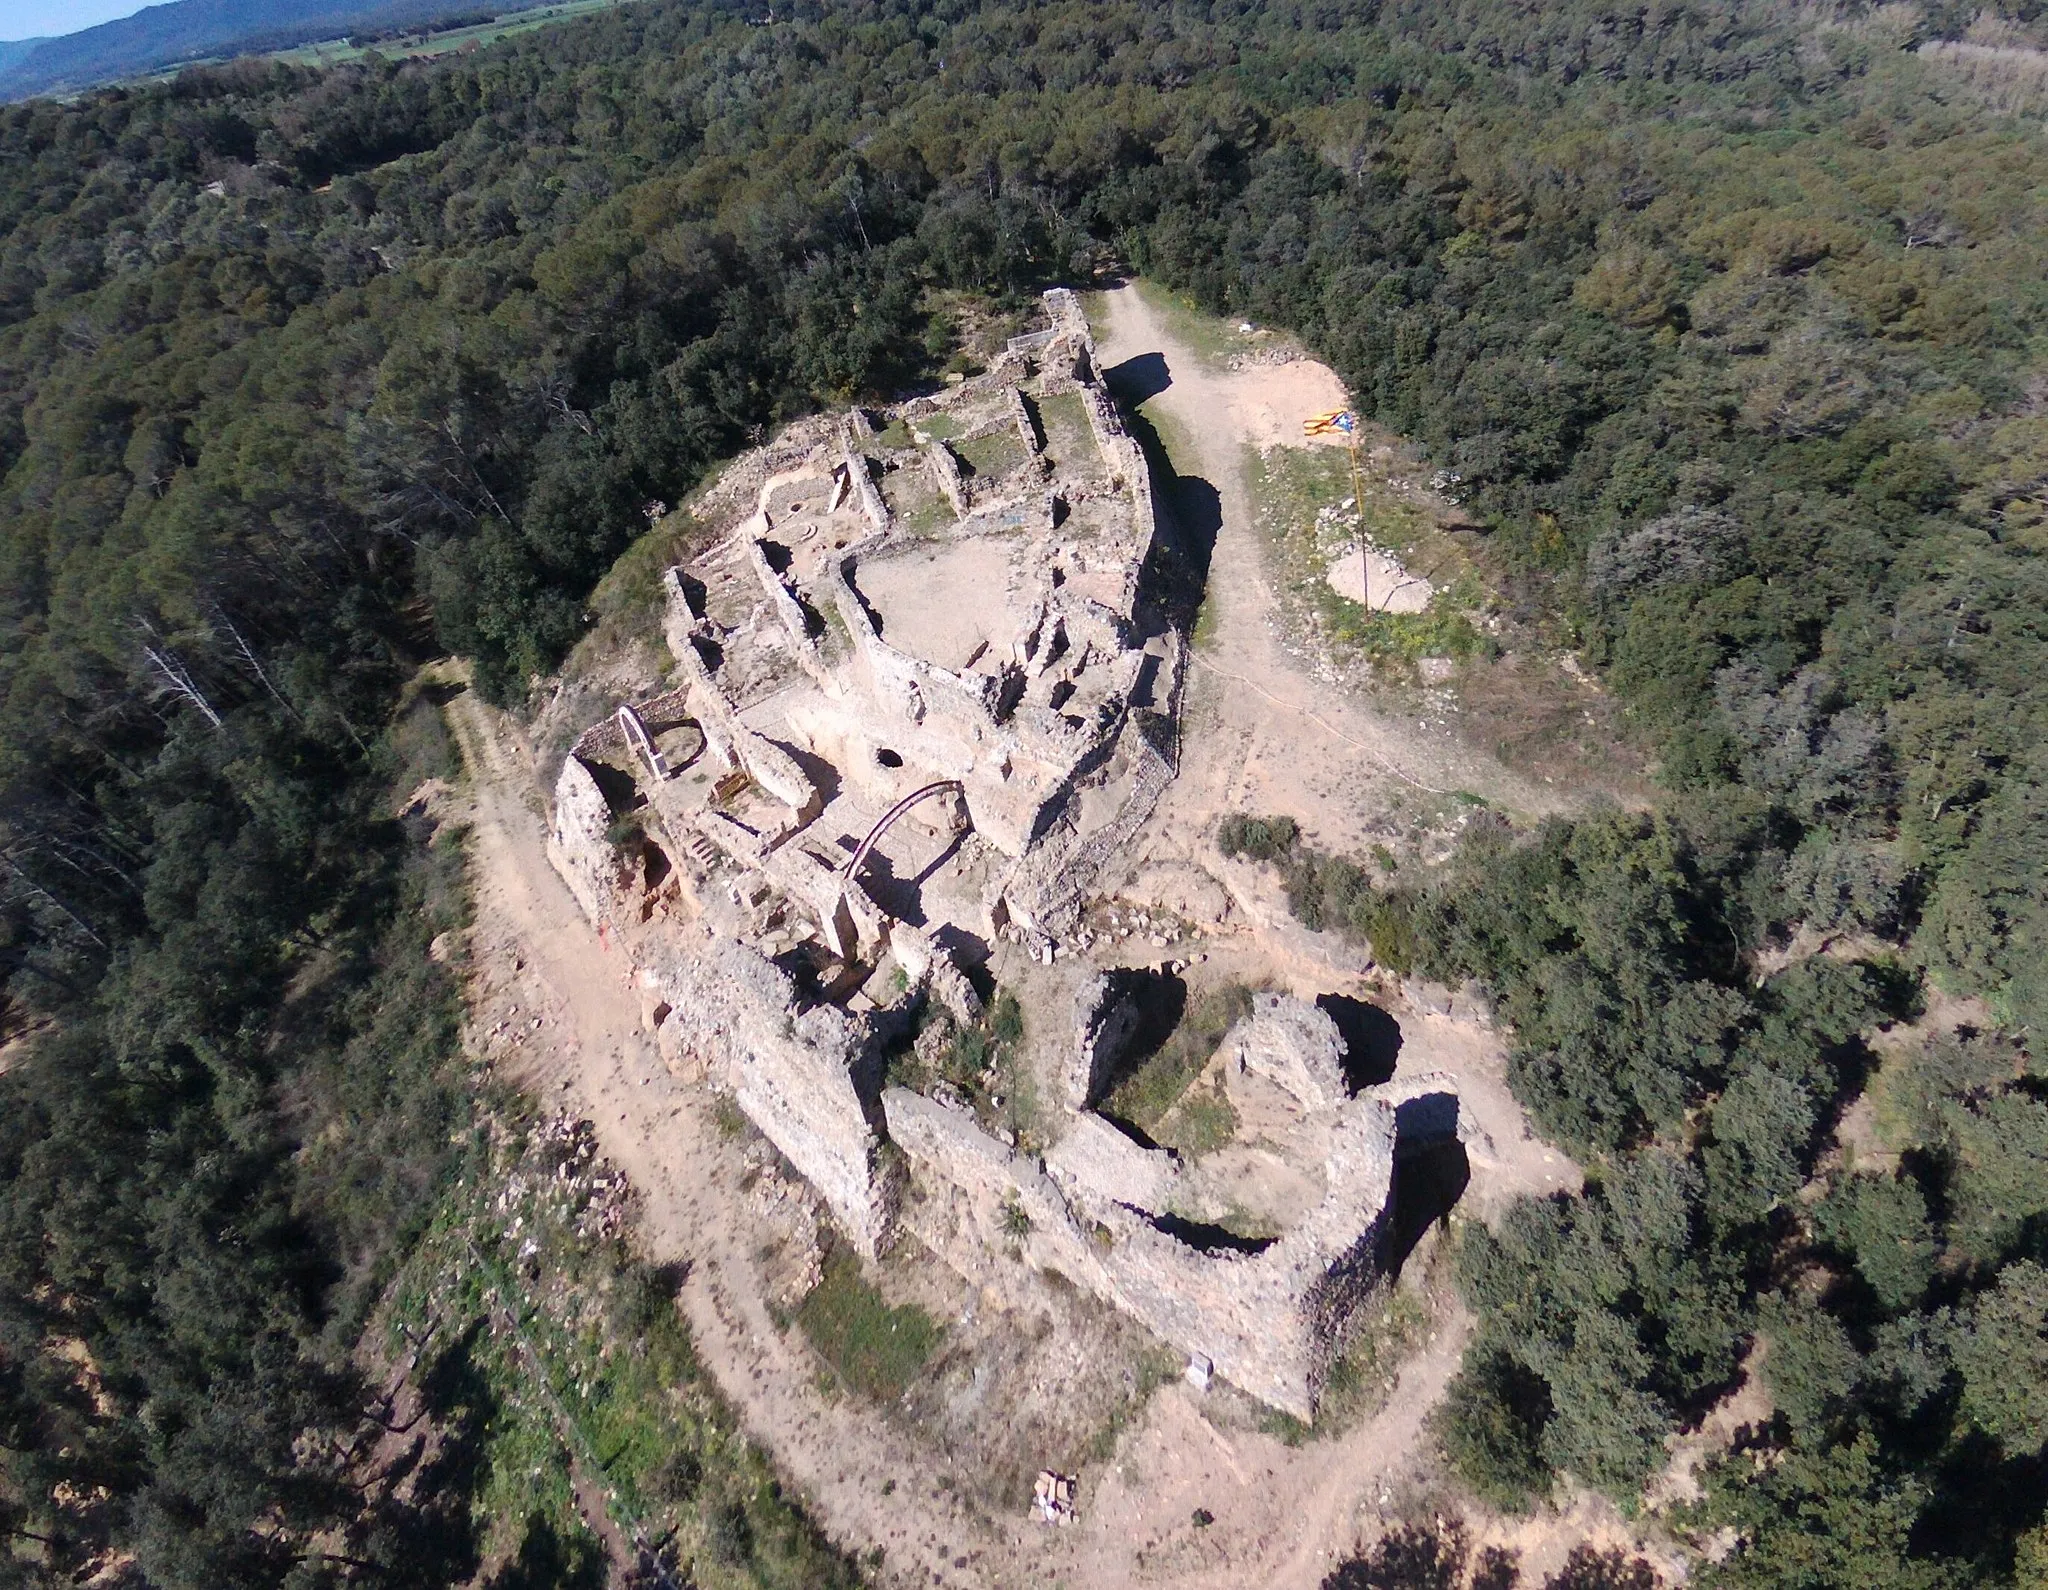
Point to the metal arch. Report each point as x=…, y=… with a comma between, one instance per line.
x=896, y=811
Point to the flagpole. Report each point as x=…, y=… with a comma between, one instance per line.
x=1346, y=420
x=1358, y=507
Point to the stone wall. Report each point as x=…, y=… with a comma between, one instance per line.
x=1428, y=1111
x=1020, y=416
x=578, y=845
x=871, y=503
x=660, y=712
x=945, y=470
x=966, y=1185
x=741, y=489
x=958, y=734
x=1063, y=309
x=1106, y=1019
x=808, y=1077
x=1095, y=1165
x=766, y=763
x=923, y=957
x=1046, y=896
x=1271, y=1322
x=784, y=605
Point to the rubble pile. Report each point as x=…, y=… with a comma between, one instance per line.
x=1052, y=1498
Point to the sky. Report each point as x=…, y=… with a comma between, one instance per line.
x=34, y=19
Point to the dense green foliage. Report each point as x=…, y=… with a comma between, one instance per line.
x=1440, y=1556
x=1727, y=316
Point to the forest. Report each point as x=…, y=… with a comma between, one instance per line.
x=1730, y=314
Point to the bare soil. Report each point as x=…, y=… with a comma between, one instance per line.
x=1264, y=734
x=945, y=601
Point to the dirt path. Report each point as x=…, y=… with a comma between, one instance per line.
x=534, y=948
x=1264, y=734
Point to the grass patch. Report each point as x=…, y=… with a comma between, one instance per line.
x=894, y=437
x=1201, y=1123
x=938, y=427
x=1154, y=1367
x=1144, y=1097
x=729, y=1118
x=1327, y=893
x=1095, y=310
x=983, y=1064
x=1068, y=437
x=993, y=455
x=1441, y=630
x=929, y=516
x=1243, y=836
x=875, y=1350
x=1290, y=488
x=418, y=745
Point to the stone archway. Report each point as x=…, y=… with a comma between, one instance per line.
x=860, y=854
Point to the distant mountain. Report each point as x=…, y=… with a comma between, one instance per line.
x=195, y=30
x=11, y=53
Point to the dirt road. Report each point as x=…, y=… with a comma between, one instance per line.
x=535, y=949
x=1265, y=734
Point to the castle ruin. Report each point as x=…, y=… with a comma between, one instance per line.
x=922, y=694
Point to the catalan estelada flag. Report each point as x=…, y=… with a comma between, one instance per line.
x=1336, y=421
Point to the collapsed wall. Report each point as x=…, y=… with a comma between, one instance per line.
x=1295, y=1046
